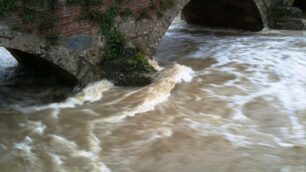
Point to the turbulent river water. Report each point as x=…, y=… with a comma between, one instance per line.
x=225, y=101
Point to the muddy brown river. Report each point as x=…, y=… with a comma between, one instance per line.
x=225, y=101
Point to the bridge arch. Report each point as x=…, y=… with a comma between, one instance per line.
x=301, y=4
x=43, y=66
x=233, y=14
x=249, y=15
x=33, y=51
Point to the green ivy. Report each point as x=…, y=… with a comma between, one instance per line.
x=38, y=13
x=7, y=6
x=115, y=44
x=115, y=39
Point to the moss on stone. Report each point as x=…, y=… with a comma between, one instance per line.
x=52, y=38
x=129, y=71
x=144, y=15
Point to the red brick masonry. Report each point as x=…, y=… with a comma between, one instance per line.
x=68, y=24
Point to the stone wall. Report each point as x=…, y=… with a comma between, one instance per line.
x=282, y=15
x=68, y=25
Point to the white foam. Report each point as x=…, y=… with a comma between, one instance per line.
x=239, y=135
x=35, y=127
x=104, y=168
x=69, y=149
x=275, y=70
x=25, y=145
x=157, y=92
x=91, y=93
x=155, y=65
x=94, y=143
x=85, y=154
x=24, y=150
x=6, y=59
x=63, y=143
x=57, y=159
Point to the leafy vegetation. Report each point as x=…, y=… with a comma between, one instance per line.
x=7, y=6
x=143, y=15
x=115, y=39
x=166, y=4
x=38, y=13
x=52, y=38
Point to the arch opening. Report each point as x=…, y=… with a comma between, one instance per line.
x=22, y=84
x=42, y=66
x=301, y=4
x=229, y=14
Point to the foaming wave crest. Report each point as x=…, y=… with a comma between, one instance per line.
x=91, y=93
x=157, y=92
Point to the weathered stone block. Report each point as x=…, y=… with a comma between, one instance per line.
x=78, y=43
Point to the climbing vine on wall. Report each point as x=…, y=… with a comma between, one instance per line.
x=115, y=40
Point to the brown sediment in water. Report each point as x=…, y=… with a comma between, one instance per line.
x=243, y=110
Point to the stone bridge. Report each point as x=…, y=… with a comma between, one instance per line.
x=73, y=49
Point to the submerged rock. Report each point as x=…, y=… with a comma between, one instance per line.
x=129, y=71
x=132, y=68
x=129, y=79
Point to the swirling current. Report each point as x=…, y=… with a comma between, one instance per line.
x=225, y=101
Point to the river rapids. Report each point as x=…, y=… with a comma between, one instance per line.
x=225, y=101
